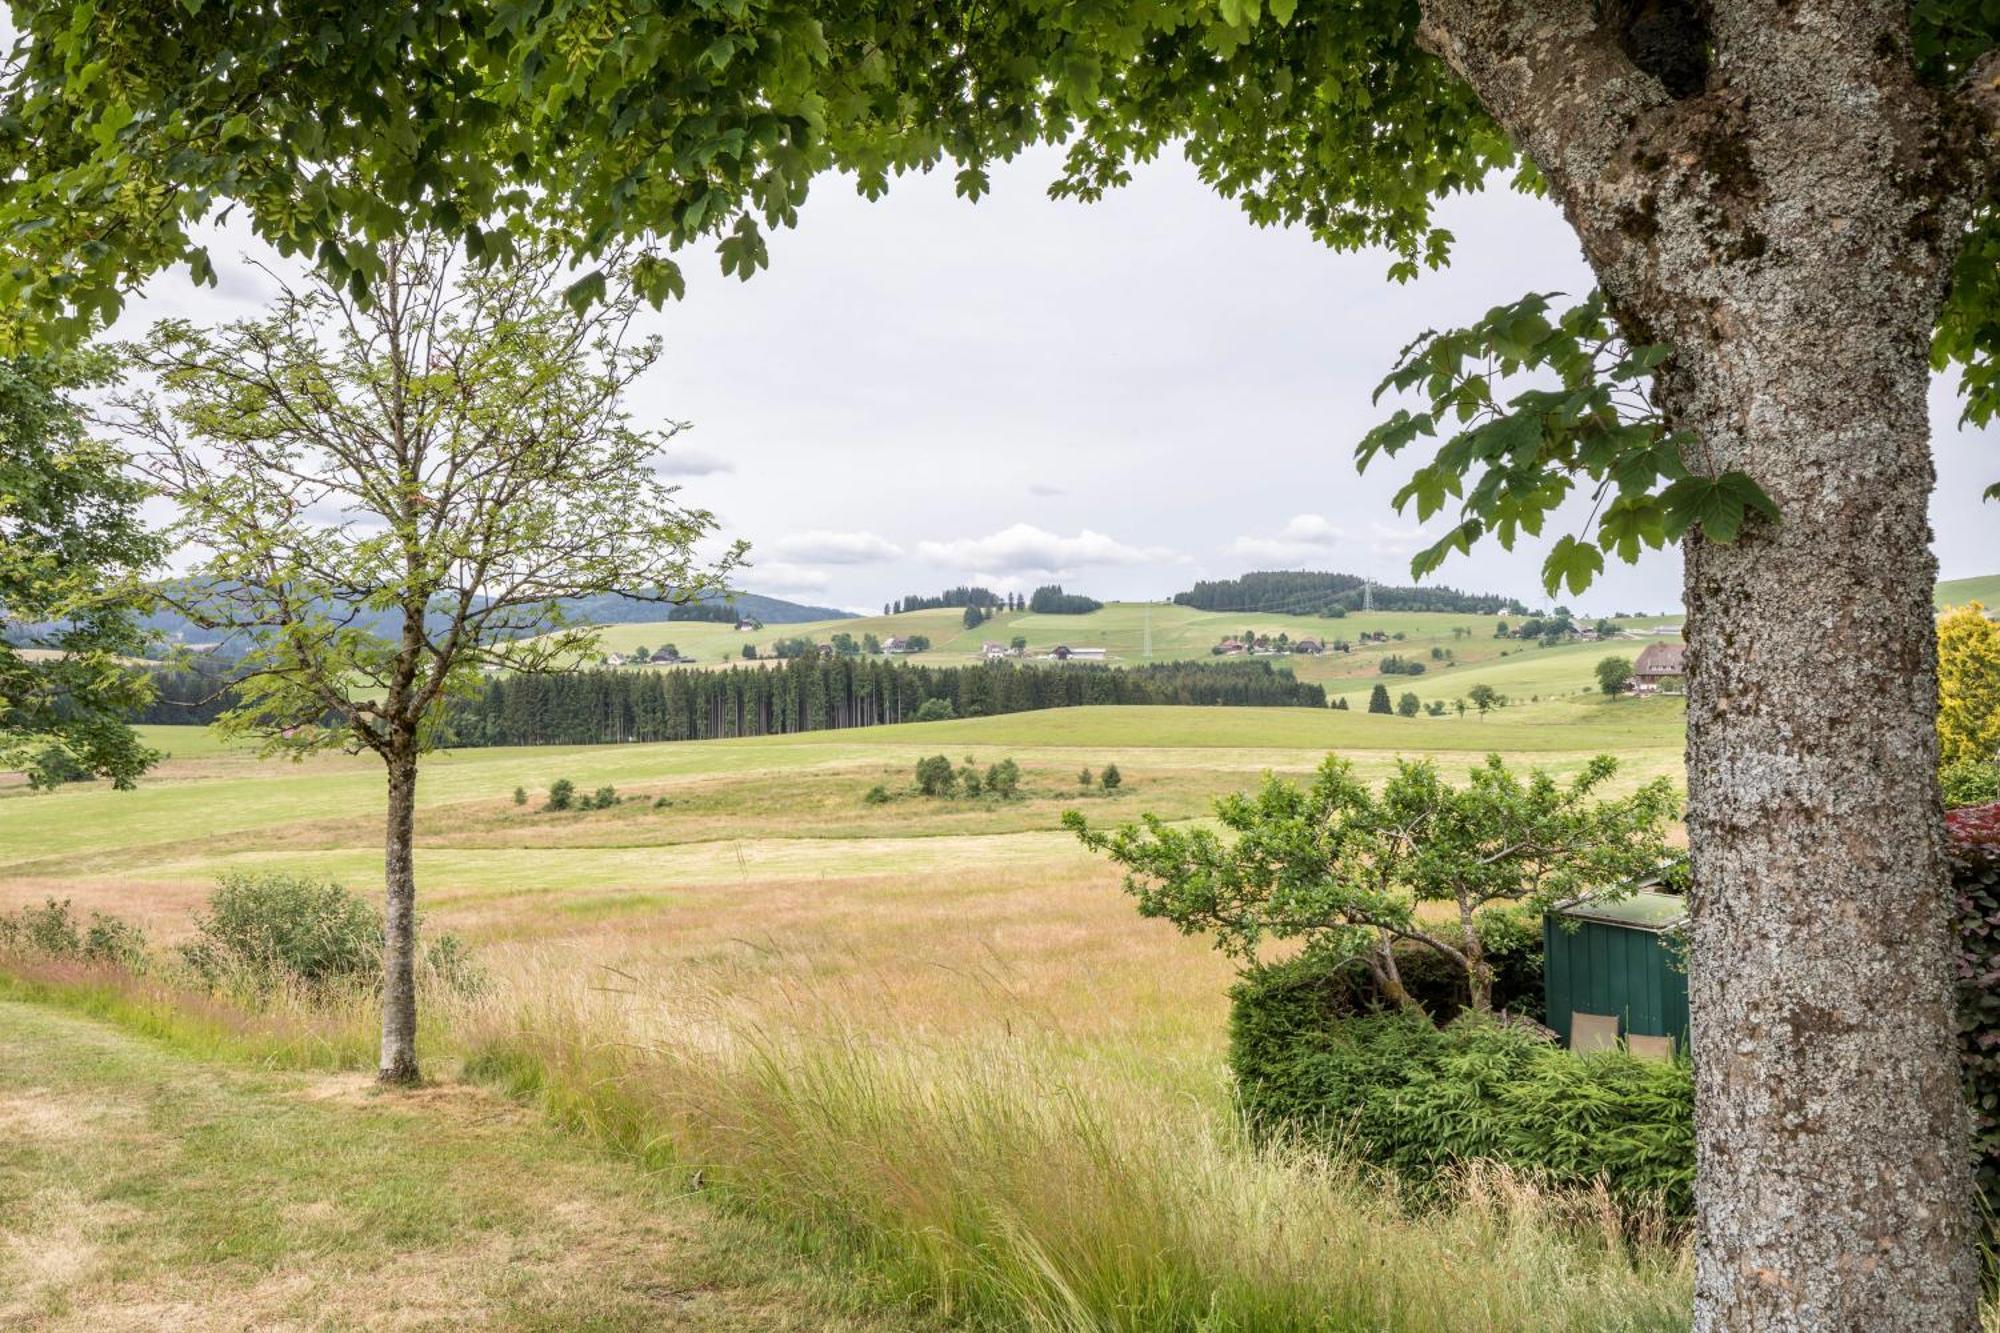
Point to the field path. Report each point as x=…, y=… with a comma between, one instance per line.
x=141, y=1189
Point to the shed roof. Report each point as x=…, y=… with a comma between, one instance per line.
x=1648, y=909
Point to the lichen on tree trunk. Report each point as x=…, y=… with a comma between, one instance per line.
x=1786, y=224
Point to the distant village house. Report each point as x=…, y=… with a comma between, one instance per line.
x=1659, y=666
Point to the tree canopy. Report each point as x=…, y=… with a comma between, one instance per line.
x=72, y=551
x=1349, y=872
x=124, y=126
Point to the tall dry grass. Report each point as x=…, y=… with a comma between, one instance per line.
x=1015, y=1181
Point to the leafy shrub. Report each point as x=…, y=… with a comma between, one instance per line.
x=1004, y=779
x=935, y=710
x=876, y=795
x=602, y=799
x=969, y=779
x=520, y=796
x=562, y=795
x=52, y=931
x=1969, y=783
x=1420, y=1100
x=1409, y=705
x=1111, y=779
x=265, y=931
x=1972, y=849
x=1083, y=778
x=936, y=776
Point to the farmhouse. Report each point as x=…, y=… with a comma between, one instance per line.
x=1308, y=646
x=745, y=625
x=1659, y=665
x=896, y=644
x=1229, y=647
x=1062, y=652
x=991, y=650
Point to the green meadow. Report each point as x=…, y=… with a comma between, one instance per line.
x=772, y=964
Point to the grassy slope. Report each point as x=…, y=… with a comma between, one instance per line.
x=141, y=1189
x=1984, y=590
x=1176, y=633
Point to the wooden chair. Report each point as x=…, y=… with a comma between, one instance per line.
x=1650, y=1048
x=1589, y=1033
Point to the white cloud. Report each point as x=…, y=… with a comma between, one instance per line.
x=1025, y=548
x=1303, y=536
x=1043, y=489
x=1386, y=539
x=775, y=577
x=682, y=461
x=836, y=548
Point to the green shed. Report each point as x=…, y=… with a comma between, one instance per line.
x=1616, y=958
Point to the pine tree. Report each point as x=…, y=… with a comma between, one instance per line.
x=1378, y=700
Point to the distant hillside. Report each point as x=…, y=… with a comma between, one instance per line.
x=604, y=610
x=769, y=610
x=1318, y=593
x=1957, y=592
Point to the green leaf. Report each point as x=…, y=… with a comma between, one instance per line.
x=585, y=292
x=1573, y=562
x=1715, y=505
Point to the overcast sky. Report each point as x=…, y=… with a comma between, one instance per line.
x=1123, y=396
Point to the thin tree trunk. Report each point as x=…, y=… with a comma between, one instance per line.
x=399, y=986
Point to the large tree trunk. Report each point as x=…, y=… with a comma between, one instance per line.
x=1785, y=221
x=399, y=942
x=1832, y=1183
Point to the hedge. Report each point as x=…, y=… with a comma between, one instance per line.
x=1395, y=1090
x=1972, y=842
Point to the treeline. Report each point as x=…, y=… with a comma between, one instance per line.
x=805, y=694
x=973, y=596
x=1312, y=593
x=817, y=694
x=1051, y=600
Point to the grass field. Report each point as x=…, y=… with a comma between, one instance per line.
x=1138, y=632
x=928, y=1039
x=1957, y=592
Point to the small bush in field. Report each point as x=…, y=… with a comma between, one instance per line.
x=1004, y=779
x=1111, y=779
x=53, y=931
x=969, y=778
x=520, y=796
x=1084, y=778
x=662, y=802
x=265, y=931
x=876, y=795
x=602, y=799
x=562, y=795
x=936, y=776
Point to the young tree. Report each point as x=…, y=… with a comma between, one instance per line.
x=1111, y=779
x=72, y=550
x=562, y=795
x=1485, y=698
x=390, y=496
x=1968, y=687
x=1613, y=675
x=1409, y=705
x=1378, y=700
x=1349, y=872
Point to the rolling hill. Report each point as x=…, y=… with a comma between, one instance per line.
x=1957, y=592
